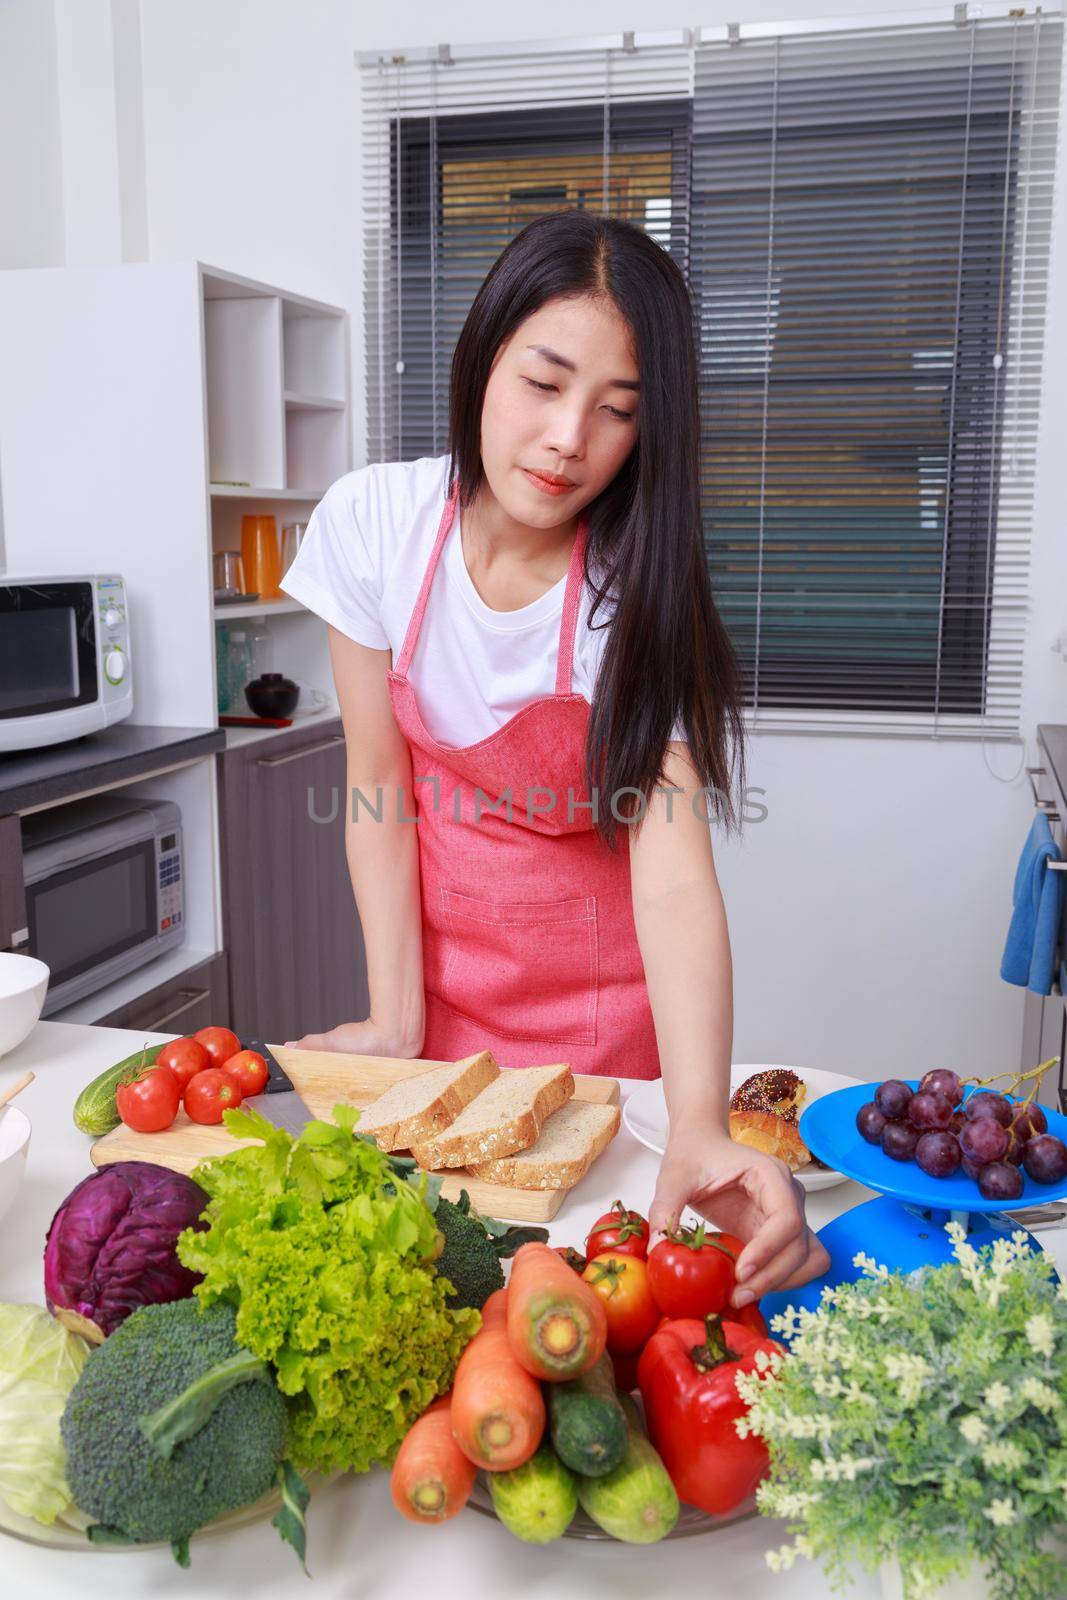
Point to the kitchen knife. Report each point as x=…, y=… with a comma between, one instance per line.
x=279, y=1102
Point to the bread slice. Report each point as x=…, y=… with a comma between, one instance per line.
x=504, y=1118
x=420, y=1107
x=566, y=1148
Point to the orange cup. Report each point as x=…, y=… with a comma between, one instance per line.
x=261, y=555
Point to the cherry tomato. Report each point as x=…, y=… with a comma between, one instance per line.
x=183, y=1057
x=625, y=1232
x=149, y=1103
x=248, y=1071
x=209, y=1094
x=621, y=1281
x=220, y=1043
x=691, y=1272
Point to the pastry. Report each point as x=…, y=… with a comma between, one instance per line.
x=778, y=1090
x=774, y=1135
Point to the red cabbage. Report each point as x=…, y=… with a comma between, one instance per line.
x=110, y=1246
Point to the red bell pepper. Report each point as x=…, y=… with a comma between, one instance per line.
x=686, y=1376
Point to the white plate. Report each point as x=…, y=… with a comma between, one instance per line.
x=645, y=1111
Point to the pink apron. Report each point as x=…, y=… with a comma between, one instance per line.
x=529, y=946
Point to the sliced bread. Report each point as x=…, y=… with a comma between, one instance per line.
x=420, y=1107
x=505, y=1117
x=568, y=1144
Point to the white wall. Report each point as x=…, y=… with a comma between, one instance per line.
x=868, y=912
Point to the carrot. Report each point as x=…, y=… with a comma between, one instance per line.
x=495, y=1310
x=498, y=1410
x=432, y=1478
x=557, y=1324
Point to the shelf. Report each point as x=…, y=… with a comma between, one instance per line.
x=244, y=491
x=133, y=984
x=311, y=402
x=240, y=736
x=258, y=608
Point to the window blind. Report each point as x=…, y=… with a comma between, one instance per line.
x=863, y=215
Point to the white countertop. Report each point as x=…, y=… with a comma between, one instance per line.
x=357, y=1542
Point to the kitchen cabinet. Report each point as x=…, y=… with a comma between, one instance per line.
x=13, y=919
x=196, y=998
x=297, y=962
x=1045, y=1016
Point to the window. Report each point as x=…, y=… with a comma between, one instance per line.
x=862, y=215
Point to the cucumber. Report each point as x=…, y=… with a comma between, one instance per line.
x=636, y=1501
x=94, y=1109
x=587, y=1422
x=536, y=1501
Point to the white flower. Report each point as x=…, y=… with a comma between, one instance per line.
x=911, y=1372
x=1001, y=1513
x=1039, y=1394
x=1003, y=1453
x=998, y=1396
x=763, y=1360
x=781, y=1560
x=1041, y=1334
x=973, y=1428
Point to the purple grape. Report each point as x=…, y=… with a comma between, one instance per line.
x=1029, y=1120
x=1017, y=1142
x=1038, y=1119
x=984, y=1140
x=958, y=1120
x=938, y=1154
x=892, y=1098
x=987, y=1104
x=942, y=1080
x=1045, y=1159
x=899, y=1141
x=928, y=1109
x=971, y=1169
x=1000, y=1181
x=870, y=1122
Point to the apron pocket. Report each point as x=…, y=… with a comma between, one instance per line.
x=525, y=969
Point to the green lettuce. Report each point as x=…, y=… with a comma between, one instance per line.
x=39, y=1363
x=325, y=1251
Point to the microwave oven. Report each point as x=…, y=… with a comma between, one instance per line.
x=103, y=883
x=64, y=658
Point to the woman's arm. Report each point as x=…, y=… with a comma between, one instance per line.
x=685, y=947
x=383, y=859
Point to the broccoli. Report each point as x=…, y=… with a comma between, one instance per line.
x=170, y=1425
x=473, y=1249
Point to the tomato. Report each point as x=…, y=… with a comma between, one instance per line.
x=149, y=1103
x=625, y=1232
x=621, y=1281
x=211, y=1093
x=691, y=1272
x=220, y=1043
x=248, y=1071
x=183, y=1057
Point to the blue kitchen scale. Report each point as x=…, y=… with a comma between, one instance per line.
x=904, y=1227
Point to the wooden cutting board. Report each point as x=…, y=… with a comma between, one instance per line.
x=324, y=1078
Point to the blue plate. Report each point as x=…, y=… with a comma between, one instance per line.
x=828, y=1128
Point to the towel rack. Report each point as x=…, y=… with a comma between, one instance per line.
x=1047, y=806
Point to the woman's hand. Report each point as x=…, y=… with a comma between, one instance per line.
x=746, y=1193
x=364, y=1038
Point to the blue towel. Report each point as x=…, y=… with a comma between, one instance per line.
x=1030, y=950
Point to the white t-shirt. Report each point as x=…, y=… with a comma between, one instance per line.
x=360, y=565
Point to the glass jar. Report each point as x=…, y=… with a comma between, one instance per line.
x=222, y=667
x=239, y=660
x=261, y=649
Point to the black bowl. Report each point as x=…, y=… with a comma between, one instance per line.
x=272, y=695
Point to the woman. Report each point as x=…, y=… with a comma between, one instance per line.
x=556, y=898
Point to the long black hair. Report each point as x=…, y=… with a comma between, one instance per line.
x=667, y=654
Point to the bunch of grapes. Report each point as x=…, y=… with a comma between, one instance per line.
x=987, y=1135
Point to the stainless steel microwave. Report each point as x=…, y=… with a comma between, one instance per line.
x=104, y=890
x=64, y=658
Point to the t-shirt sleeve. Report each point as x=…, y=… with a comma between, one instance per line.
x=338, y=572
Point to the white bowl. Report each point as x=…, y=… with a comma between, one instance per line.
x=23, y=984
x=14, y=1145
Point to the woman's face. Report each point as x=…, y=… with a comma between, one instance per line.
x=561, y=399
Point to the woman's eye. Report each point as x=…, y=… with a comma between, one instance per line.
x=549, y=388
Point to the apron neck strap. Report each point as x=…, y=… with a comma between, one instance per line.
x=571, y=597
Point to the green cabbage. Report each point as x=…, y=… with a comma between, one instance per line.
x=39, y=1363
